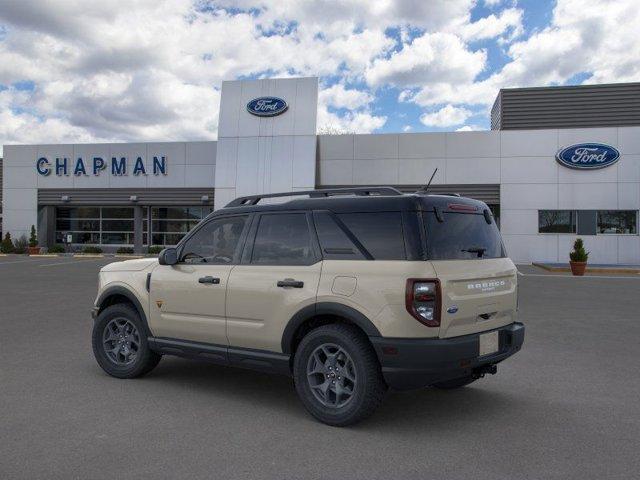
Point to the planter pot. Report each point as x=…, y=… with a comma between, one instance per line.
x=578, y=268
x=33, y=250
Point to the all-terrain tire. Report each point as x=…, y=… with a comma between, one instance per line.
x=141, y=362
x=369, y=388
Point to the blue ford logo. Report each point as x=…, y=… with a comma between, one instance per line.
x=588, y=156
x=452, y=309
x=267, y=106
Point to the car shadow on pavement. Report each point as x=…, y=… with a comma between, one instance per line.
x=402, y=411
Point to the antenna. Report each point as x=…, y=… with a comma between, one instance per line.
x=426, y=187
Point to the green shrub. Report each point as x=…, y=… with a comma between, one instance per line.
x=91, y=249
x=125, y=250
x=579, y=254
x=20, y=245
x=33, y=238
x=57, y=248
x=7, y=245
x=155, y=249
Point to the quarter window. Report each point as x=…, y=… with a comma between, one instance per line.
x=283, y=239
x=556, y=221
x=618, y=221
x=334, y=242
x=217, y=242
x=380, y=233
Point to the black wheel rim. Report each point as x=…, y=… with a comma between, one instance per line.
x=121, y=341
x=331, y=375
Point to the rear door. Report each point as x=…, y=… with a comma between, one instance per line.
x=278, y=276
x=477, y=280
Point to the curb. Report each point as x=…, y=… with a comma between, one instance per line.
x=589, y=269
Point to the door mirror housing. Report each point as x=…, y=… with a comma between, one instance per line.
x=168, y=256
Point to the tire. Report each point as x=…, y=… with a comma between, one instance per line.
x=362, y=383
x=134, y=358
x=455, y=383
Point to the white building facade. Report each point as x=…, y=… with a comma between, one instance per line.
x=138, y=195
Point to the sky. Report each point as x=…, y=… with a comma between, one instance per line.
x=78, y=71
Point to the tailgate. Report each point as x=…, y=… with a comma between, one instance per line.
x=477, y=295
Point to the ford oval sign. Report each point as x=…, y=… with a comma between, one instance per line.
x=588, y=156
x=267, y=106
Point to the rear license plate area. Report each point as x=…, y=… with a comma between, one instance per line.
x=489, y=343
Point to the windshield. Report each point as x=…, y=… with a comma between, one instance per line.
x=462, y=236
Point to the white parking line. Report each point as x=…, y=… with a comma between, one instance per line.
x=72, y=262
x=551, y=275
x=21, y=261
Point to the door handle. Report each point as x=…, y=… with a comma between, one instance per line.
x=290, y=282
x=207, y=279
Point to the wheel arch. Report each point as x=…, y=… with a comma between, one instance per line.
x=119, y=294
x=321, y=314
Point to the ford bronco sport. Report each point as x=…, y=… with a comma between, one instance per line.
x=349, y=291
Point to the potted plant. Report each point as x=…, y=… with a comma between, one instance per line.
x=33, y=249
x=578, y=258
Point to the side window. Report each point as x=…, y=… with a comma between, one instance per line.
x=283, y=239
x=217, y=242
x=334, y=242
x=380, y=233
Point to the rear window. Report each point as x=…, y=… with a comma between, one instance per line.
x=462, y=236
x=380, y=233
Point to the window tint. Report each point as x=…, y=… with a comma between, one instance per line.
x=462, y=236
x=617, y=221
x=283, y=240
x=334, y=242
x=380, y=233
x=556, y=221
x=216, y=242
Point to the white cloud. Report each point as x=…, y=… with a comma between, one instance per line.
x=447, y=116
x=340, y=97
x=407, y=128
x=509, y=22
x=469, y=128
x=432, y=57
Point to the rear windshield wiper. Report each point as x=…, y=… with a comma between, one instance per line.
x=479, y=250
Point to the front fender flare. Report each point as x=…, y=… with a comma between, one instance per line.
x=129, y=295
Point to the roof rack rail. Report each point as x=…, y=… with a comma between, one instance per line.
x=358, y=191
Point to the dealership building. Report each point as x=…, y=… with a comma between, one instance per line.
x=559, y=162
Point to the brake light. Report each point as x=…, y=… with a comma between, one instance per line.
x=422, y=298
x=460, y=207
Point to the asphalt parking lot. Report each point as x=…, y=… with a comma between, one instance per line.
x=566, y=406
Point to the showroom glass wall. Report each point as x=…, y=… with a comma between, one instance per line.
x=114, y=226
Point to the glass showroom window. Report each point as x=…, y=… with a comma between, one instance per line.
x=170, y=224
x=618, y=221
x=556, y=221
x=95, y=225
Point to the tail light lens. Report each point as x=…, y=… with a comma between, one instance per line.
x=423, y=301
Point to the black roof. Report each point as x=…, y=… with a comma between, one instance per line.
x=351, y=200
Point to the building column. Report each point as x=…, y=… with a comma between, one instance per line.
x=46, y=226
x=138, y=217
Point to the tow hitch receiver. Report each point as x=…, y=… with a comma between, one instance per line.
x=484, y=370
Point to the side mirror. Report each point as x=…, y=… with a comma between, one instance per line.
x=168, y=256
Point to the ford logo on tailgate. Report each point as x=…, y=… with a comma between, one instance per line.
x=267, y=106
x=588, y=156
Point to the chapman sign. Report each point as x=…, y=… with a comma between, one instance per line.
x=588, y=156
x=118, y=166
x=267, y=106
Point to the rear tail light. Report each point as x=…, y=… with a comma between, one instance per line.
x=423, y=301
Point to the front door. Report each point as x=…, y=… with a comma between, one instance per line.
x=187, y=300
x=279, y=275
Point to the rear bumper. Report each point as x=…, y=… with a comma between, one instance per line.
x=419, y=362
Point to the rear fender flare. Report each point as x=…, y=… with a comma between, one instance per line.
x=325, y=308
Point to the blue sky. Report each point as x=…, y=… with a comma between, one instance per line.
x=77, y=71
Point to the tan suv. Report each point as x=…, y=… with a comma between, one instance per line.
x=350, y=291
